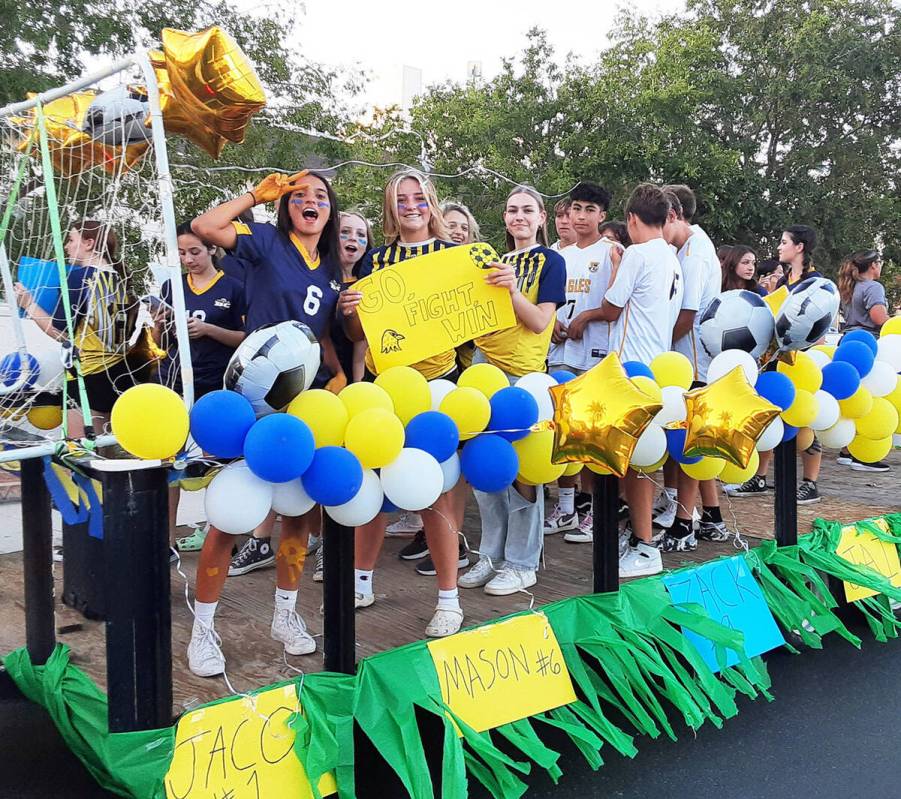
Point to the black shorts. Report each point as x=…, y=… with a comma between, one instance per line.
x=104, y=387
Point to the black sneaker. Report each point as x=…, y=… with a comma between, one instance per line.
x=860, y=466
x=173, y=555
x=622, y=514
x=672, y=543
x=752, y=487
x=416, y=549
x=583, y=503
x=255, y=554
x=807, y=493
x=713, y=531
x=427, y=568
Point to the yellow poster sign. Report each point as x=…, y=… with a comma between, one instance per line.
x=243, y=749
x=427, y=305
x=864, y=549
x=502, y=672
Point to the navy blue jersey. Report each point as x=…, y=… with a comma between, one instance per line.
x=221, y=303
x=233, y=266
x=285, y=283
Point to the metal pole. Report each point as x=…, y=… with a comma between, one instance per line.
x=338, y=596
x=37, y=558
x=605, y=530
x=138, y=616
x=785, y=478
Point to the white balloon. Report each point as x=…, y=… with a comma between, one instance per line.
x=819, y=357
x=673, y=410
x=888, y=349
x=881, y=380
x=827, y=411
x=771, y=437
x=363, y=507
x=839, y=435
x=439, y=389
x=537, y=384
x=50, y=374
x=650, y=447
x=451, y=470
x=237, y=500
x=291, y=498
x=413, y=480
x=727, y=360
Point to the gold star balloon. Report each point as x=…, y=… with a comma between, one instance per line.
x=726, y=418
x=599, y=416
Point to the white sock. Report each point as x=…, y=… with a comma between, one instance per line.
x=449, y=600
x=363, y=581
x=204, y=613
x=284, y=599
x=567, y=500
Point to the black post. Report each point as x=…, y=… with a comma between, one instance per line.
x=138, y=617
x=37, y=559
x=605, y=529
x=338, y=596
x=785, y=477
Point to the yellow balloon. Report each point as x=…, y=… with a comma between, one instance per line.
x=358, y=397
x=735, y=474
x=881, y=421
x=673, y=369
x=868, y=450
x=651, y=469
x=534, y=453
x=829, y=349
x=803, y=410
x=649, y=387
x=893, y=325
x=485, y=377
x=705, y=469
x=598, y=469
x=375, y=436
x=46, y=417
x=895, y=396
x=324, y=413
x=408, y=389
x=150, y=421
x=572, y=469
x=805, y=438
x=521, y=479
x=470, y=410
x=859, y=404
x=804, y=372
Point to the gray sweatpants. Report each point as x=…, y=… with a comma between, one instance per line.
x=512, y=527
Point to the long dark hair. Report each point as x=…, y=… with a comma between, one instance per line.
x=852, y=269
x=328, y=239
x=803, y=234
x=185, y=229
x=730, y=263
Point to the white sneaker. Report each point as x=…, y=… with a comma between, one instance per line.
x=640, y=561
x=478, y=575
x=363, y=600
x=509, y=580
x=407, y=524
x=583, y=534
x=662, y=502
x=317, y=569
x=289, y=628
x=445, y=622
x=557, y=521
x=667, y=514
x=205, y=658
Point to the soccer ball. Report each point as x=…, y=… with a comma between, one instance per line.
x=117, y=117
x=807, y=314
x=737, y=320
x=273, y=365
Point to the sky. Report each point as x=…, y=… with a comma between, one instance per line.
x=354, y=35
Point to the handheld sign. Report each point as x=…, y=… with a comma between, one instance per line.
x=502, y=672
x=729, y=593
x=865, y=549
x=430, y=304
x=242, y=749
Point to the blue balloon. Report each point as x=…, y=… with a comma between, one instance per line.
x=279, y=448
x=675, y=446
x=489, y=462
x=434, y=432
x=840, y=379
x=220, y=422
x=863, y=336
x=562, y=376
x=638, y=369
x=777, y=388
x=513, y=411
x=334, y=476
x=11, y=369
x=858, y=354
x=788, y=432
x=388, y=506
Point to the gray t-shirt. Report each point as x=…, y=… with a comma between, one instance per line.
x=867, y=293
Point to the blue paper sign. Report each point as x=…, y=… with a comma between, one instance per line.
x=731, y=596
x=41, y=278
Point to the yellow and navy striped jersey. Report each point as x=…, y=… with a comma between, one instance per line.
x=540, y=277
x=389, y=255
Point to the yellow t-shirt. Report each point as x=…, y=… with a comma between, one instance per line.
x=99, y=304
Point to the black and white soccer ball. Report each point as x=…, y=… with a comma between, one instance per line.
x=117, y=117
x=807, y=314
x=273, y=365
x=737, y=320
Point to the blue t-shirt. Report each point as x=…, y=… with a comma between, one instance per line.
x=283, y=284
x=221, y=303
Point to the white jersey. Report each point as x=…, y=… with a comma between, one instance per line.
x=555, y=355
x=648, y=287
x=588, y=271
x=702, y=278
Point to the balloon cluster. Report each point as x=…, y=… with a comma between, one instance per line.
x=30, y=388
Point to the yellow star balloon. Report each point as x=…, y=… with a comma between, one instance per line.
x=726, y=418
x=599, y=416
